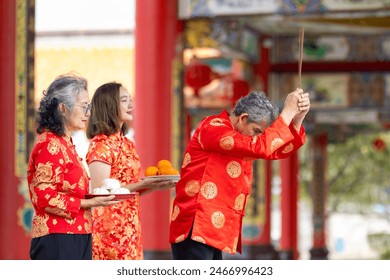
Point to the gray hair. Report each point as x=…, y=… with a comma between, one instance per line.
x=258, y=107
x=64, y=89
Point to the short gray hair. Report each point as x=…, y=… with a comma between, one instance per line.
x=258, y=107
x=64, y=89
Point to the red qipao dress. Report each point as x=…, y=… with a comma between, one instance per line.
x=116, y=229
x=216, y=178
x=57, y=182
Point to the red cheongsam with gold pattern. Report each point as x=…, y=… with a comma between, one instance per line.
x=216, y=176
x=57, y=182
x=116, y=229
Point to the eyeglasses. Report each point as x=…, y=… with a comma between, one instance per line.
x=86, y=108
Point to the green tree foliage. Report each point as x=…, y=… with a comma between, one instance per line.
x=358, y=172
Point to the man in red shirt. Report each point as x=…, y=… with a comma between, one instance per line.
x=216, y=173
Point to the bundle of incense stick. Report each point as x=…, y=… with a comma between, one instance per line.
x=301, y=38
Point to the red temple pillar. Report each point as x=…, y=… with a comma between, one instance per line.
x=14, y=207
x=155, y=38
x=318, y=146
x=289, y=205
x=263, y=248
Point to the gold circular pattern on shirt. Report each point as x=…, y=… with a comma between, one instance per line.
x=217, y=122
x=200, y=142
x=239, y=202
x=180, y=238
x=276, y=143
x=175, y=212
x=235, y=244
x=192, y=188
x=227, y=250
x=218, y=219
x=209, y=190
x=288, y=148
x=227, y=143
x=233, y=169
x=199, y=239
x=186, y=160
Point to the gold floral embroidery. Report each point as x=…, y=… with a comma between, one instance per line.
x=276, y=143
x=88, y=221
x=40, y=227
x=44, y=172
x=68, y=186
x=227, y=143
x=47, y=172
x=180, y=238
x=248, y=158
x=41, y=138
x=218, y=219
x=81, y=182
x=200, y=141
x=58, y=201
x=192, y=188
x=235, y=244
x=209, y=190
x=227, y=250
x=186, y=160
x=233, y=169
x=175, y=212
x=45, y=186
x=254, y=139
x=66, y=155
x=116, y=231
x=239, y=202
x=199, y=239
x=217, y=122
x=288, y=148
x=53, y=147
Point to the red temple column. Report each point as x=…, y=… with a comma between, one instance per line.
x=289, y=205
x=319, y=188
x=155, y=32
x=263, y=248
x=14, y=240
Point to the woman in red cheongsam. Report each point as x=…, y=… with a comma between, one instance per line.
x=117, y=229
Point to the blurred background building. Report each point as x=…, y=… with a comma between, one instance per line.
x=182, y=60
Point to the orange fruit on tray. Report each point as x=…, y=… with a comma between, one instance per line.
x=151, y=171
x=167, y=170
x=163, y=167
x=164, y=163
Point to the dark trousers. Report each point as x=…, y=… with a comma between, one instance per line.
x=193, y=250
x=59, y=246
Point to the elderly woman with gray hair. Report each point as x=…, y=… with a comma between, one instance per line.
x=58, y=182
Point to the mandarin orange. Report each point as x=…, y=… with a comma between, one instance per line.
x=165, y=170
x=164, y=163
x=151, y=171
x=175, y=171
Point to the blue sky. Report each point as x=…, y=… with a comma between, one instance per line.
x=64, y=15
